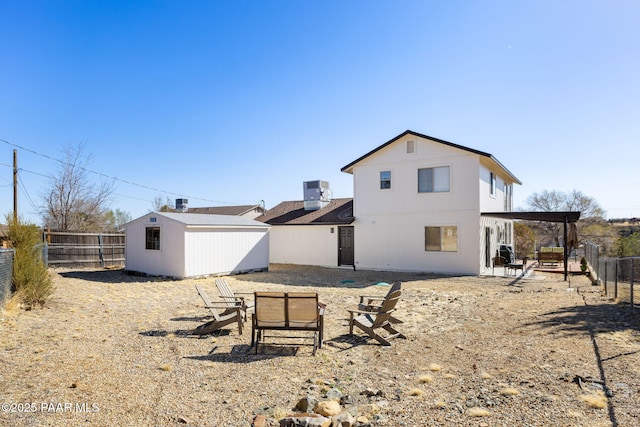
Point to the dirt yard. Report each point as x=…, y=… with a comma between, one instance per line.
x=114, y=350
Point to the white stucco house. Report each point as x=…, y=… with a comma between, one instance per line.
x=322, y=237
x=183, y=245
x=417, y=206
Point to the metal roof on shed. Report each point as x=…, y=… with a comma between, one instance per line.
x=226, y=210
x=193, y=219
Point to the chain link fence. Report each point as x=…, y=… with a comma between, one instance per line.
x=6, y=273
x=618, y=276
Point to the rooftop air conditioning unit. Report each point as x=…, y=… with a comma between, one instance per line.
x=317, y=195
x=181, y=205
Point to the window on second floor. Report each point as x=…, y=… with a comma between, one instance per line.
x=434, y=180
x=493, y=183
x=385, y=180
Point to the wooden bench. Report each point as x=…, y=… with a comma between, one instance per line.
x=550, y=255
x=287, y=311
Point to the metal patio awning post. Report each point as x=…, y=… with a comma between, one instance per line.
x=566, y=252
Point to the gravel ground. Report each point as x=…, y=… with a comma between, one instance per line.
x=113, y=350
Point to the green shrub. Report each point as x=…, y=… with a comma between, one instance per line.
x=31, y=280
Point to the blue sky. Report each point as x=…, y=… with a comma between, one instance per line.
x=234, y=102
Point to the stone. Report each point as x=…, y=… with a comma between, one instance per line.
x=259, y=421
x=343, y=420
x=362, y=420
x=306, y=404
x=334, y=394
x=305, y=420
x=327, y=408
x=368, y=410
x=372, y=393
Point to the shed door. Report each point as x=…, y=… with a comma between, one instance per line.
x=345, y=246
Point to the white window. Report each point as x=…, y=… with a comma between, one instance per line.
x=385, y=180
x=493, y=183
x=433, y=180
x=441, y=239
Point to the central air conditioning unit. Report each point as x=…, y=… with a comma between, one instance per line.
x=317, y=195
x=182, y=205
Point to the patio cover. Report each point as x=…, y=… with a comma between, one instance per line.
x=565, y=217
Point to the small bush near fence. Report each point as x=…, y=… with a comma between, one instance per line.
x=33, y=285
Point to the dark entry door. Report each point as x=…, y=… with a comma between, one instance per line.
x=345, y=246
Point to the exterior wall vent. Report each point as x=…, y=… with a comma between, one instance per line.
x=317, y=195
x=182, y=205
x=411, y=146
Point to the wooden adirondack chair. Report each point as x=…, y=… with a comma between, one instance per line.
x=373, y=303
x=372, y=321
x=232, y=298
x=227, y=315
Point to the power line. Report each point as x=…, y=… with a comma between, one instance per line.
x=108, y=176
x=24, y=189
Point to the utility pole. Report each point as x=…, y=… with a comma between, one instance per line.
x=15, y=187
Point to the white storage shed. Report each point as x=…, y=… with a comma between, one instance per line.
x=183, y=245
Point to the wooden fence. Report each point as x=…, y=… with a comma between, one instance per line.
x=66, y=249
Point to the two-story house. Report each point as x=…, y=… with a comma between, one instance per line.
x=417, y=204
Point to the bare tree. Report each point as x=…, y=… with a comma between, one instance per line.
x=158, y=205
x=72, y=202
x=557, y=201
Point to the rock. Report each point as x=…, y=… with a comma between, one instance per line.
x=334, y=394
x=327, y=408
x=305, y=420
x=368, y=410
x=343, y=420
x=259, y=421
x=362, y=420
x=371, y=393
x=306, y=404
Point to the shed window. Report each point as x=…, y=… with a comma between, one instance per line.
x=152, y=238
x=441, y=239
x=433, y=180
x=385, y=180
